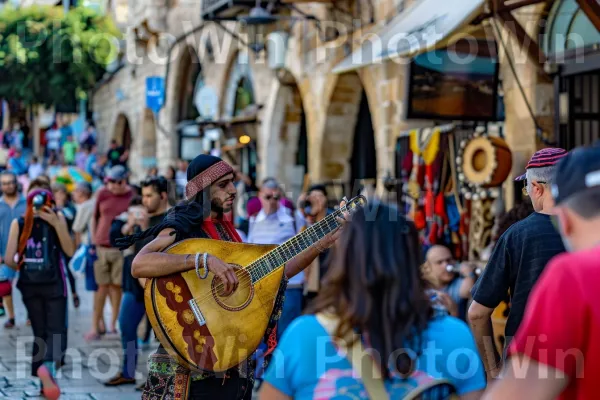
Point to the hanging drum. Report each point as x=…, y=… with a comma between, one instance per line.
x=486, y=161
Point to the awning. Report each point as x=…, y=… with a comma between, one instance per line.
x=425, y=26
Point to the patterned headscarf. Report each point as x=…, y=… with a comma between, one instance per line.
x=194, y=214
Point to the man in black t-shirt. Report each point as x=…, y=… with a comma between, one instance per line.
x=518, y=259
x=116, y=155
x=155, y=202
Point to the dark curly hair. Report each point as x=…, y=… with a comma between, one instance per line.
x=373, y=285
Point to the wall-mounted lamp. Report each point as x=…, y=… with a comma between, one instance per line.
x=254, y=24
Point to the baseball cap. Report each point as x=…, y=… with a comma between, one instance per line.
x=84, y=187
x=116, y=173
x=543, y=158
x=576, y=173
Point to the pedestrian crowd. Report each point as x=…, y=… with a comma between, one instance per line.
x=375, y=280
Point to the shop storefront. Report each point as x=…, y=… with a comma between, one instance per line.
x=572, y=44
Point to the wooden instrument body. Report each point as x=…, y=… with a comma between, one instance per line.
x=235, y=325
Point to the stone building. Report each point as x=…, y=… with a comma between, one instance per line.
x=309, y=109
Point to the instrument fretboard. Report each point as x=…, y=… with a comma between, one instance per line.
x=294, y=246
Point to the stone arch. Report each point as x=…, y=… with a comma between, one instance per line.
x=148, y=139
x=122, y=131
x=188, y=76
x=348, y=146
x=284, y=136
x=239, y=72
x=238, y=99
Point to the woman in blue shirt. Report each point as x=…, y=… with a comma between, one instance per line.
x=373, y=288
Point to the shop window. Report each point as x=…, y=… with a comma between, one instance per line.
x=244, y=96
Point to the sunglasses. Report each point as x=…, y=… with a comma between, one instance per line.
x=118, y=182
x=269, y=197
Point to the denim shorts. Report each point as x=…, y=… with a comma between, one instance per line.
x=7, y=273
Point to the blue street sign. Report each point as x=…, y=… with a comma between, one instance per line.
x=155, y=92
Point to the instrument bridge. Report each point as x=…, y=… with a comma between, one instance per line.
x=197, y=313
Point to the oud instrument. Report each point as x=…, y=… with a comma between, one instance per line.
x=205, y=330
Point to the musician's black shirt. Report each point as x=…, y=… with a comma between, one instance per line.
x=518, y=259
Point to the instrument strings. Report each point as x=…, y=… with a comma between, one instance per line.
x=286, y=245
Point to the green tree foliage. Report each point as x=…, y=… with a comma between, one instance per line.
x=49, y=58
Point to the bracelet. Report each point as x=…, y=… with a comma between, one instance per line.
x=205, y=264
x=197, y=264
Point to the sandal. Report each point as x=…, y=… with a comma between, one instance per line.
x=10, y=323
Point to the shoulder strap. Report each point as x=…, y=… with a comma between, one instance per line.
x=368, y=372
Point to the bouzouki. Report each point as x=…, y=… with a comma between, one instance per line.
x=206, y=331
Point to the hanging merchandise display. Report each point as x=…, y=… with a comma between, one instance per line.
x=427, y=177
x=424, y=148
x=483, y=164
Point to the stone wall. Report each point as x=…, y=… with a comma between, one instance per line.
x=330, y=102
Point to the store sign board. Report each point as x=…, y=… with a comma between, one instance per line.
x=155, y=92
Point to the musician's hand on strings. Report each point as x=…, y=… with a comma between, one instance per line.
x=226, y=274
x=330, y=239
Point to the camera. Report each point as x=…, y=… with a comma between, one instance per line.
x=39, y=200
x=306, y=206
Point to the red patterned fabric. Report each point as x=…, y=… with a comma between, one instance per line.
x=207, y=178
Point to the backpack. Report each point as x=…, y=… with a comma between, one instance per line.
x=42, y=257
x=425, y=387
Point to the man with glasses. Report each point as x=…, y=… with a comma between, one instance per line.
x=555, y=351
x=111, y=201
x=12, y=206
x=518, y=259
x=274, y=225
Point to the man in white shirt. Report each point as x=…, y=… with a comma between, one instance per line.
x=274, y=225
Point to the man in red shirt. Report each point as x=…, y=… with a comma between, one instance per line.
x=111, y=201
x=556, y=351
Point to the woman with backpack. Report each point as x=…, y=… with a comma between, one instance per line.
x=37, y=246
x=373, y=332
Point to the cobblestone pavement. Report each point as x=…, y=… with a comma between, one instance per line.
x=87, y=364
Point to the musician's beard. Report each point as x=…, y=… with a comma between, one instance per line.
x=216, y=206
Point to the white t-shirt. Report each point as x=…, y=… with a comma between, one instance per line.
x=274, y=229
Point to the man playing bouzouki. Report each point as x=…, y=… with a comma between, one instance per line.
x=206, y=214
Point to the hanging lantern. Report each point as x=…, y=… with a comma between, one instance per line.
x=254, y=25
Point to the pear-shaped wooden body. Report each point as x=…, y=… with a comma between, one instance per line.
x=223, y=331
